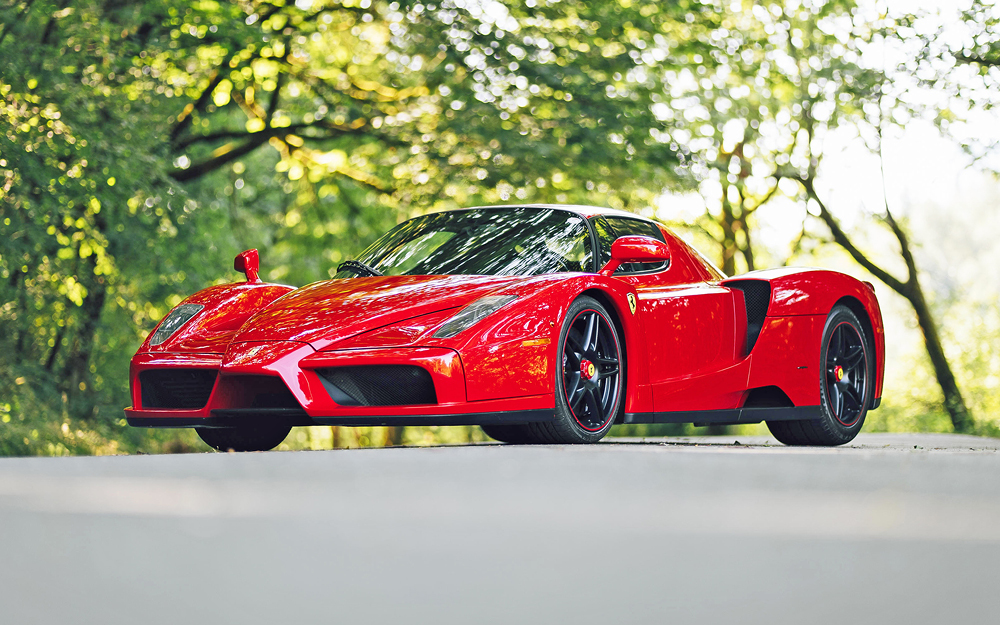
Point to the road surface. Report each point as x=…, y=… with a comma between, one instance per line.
x=893, y=529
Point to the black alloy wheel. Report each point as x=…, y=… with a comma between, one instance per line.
x=254, y=436
x=590, y=370
x=845, y=386
x=589, y=384
x=846, y=374
x=589, y=377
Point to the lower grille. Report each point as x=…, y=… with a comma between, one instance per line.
x=176, y=388
x=379, y=385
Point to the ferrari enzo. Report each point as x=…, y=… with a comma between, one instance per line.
x=540, y=324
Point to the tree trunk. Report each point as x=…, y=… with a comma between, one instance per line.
x=954, y=403
x=747, y=249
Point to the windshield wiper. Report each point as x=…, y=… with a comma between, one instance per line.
x=359, y=268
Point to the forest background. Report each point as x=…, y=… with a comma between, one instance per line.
x=144, y=144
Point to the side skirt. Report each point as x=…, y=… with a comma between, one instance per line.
x=298, y=417
x=512, y=417
x=731, y=417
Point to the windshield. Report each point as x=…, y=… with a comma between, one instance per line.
x=483, y=241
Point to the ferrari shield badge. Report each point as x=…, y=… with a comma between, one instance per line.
x=631, y=302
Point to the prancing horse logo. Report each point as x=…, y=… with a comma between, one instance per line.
x=631, y=302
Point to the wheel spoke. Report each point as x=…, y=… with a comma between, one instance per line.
x=852, y=398
x=609, y=371
x=596, y=410
x=572, y=357
x=593, y=331
x=574, y=384
x=840, y=402
x=837, y=345
x=575, y=344
x=854, y=357
x=581, y=393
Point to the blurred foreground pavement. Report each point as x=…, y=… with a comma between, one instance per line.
x=894, y=529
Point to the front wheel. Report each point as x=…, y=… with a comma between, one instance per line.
x=589, y=383
x=245, y=437
x=845, y=386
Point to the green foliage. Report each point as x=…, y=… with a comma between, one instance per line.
x=142, y=145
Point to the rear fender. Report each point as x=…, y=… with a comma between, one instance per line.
x=803, y=292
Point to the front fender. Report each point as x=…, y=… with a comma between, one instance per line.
x=515, y=355
x=227, y=308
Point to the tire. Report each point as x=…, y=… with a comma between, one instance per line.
x=514, y=434
x=249, y=437
x=845, y=385
x=590, y=363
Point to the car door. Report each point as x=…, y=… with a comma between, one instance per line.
x=689, y=326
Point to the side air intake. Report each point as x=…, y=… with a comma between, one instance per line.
x=757, y=295
x=379, y=385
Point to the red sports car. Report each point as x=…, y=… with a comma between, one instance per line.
x=541, y=324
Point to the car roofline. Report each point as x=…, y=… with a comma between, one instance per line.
x=583, y=210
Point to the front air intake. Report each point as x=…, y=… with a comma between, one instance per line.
x=379, y=385
x=186, y=389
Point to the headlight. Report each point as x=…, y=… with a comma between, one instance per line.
x=473, y=313
x=173, y=322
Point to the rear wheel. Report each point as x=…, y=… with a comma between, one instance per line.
x=245, y=437
x=845, y=386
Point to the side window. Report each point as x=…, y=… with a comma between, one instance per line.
x=624, y=226
x=605, y=237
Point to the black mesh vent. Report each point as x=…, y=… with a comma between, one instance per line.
x=757, y=295
x=176, y=388
x=379, y=385
x=767, y=397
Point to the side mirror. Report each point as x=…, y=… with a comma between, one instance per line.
x=248, y=263
x=635, y=249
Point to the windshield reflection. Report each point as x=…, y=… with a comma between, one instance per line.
x=505, y=241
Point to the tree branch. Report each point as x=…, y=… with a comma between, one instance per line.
x=186, y=116
x=354, y=128
x=961, y=58
x=841, y=238
x=904, y=244
x=230, y=152
x=224, y=155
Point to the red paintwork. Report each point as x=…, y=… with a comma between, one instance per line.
x=248, y=263
x=227, y=309
x=634, y=249
x=808, y=291
x=683, y=347
x=787, y=356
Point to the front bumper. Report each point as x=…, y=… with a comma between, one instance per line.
x=294, y=366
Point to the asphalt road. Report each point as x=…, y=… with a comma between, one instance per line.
x=895, y=529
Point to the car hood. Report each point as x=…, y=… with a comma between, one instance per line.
x=325, y=312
